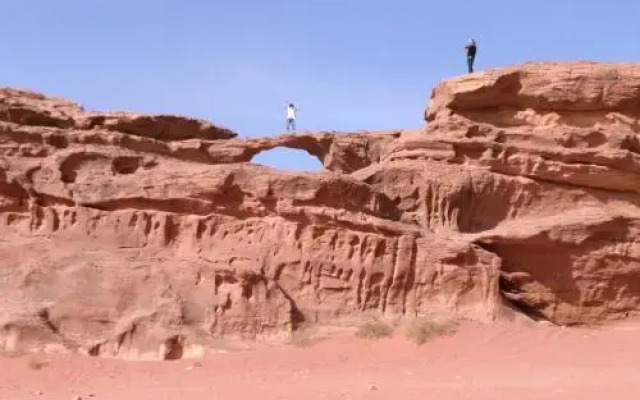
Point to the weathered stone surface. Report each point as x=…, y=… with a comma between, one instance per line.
x=147, y=237
x=145, y=246
x=559, y=87
x=28, y=108
x=553, y=159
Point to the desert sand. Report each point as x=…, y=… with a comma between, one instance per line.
x=478, y=362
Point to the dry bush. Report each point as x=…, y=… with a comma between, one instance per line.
x=422, y=330
x=37, y=364
x=305, y=337
x=374, y=330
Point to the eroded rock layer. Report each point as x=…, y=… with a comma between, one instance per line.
x=149, y=236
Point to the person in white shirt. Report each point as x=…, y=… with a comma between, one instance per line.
x=291, y=117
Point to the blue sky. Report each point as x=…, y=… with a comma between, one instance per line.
x=349, y=64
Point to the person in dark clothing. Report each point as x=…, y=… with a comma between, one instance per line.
x=471, y=54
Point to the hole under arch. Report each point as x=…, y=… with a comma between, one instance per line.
x=288, y=159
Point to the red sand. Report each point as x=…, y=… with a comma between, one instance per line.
x=479, y=362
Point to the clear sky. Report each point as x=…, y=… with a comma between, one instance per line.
x=348, y=64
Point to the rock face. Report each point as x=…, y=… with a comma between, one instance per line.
x=148, y=236
x=552, y=153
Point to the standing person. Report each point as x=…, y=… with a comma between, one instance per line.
x=471, y=54
x=291, y=117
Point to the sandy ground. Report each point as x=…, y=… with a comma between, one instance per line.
x=479, y=362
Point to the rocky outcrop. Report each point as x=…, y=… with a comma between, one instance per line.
x=148, y=236
x=140, y=245
x=33, y=109
x=582, y=87
x=552, y=158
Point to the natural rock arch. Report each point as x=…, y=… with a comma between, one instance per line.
x=337, y=152
x=287, y=158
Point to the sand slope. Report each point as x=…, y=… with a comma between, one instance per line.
x=479, y=362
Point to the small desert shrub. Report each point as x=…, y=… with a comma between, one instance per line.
x=37, y=364
x=374, y=330
x=305, y=337
x=422, y=330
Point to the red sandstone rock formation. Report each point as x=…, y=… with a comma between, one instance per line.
x=147, y=236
